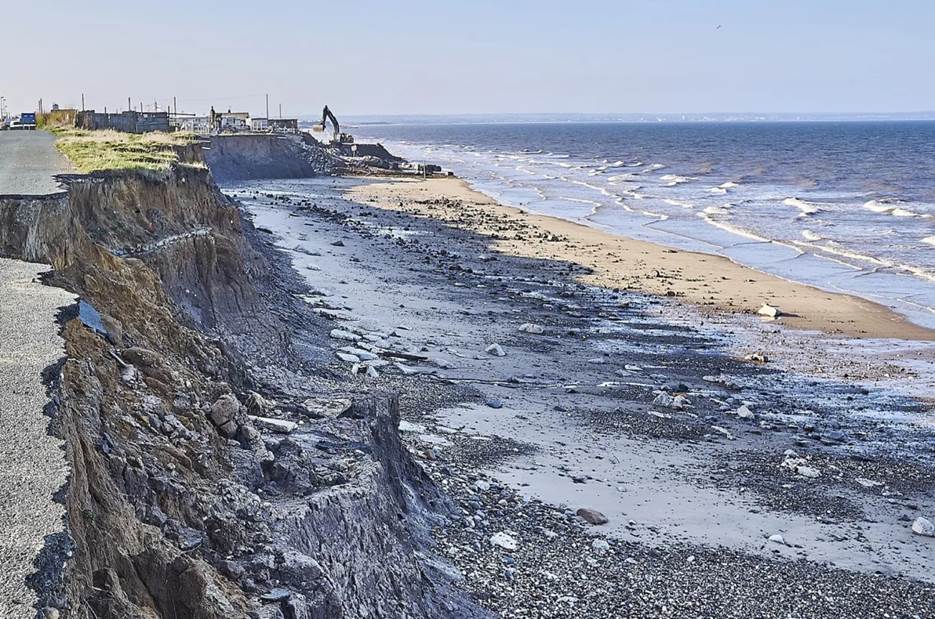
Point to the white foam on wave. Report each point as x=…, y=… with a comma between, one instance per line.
x=681, y=203
x=732, y=229
x=717, y=210
x=805, y=208
x=896, y=208
x=657, y=166
x=930, y=240
x=674, y=179
x=808, y=235
x=835, y=249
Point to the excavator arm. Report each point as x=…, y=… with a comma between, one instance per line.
x=327, y=115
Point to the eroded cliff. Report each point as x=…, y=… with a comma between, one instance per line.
x=216, y=470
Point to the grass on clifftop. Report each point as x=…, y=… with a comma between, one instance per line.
x=96, y=151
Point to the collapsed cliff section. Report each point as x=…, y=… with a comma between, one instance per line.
x=215, y=469
x=246, y=157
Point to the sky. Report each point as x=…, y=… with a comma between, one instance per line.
x=477, y=56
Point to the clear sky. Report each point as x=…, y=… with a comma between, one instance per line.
x=476, y=56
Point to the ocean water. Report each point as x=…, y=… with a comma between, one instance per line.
x=847, y=206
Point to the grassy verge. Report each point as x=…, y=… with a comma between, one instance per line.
x=95, y=151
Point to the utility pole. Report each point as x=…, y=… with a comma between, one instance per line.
x=175, y=106
x=267, y=107
x=82, y=102
x=129, y=105
x=280, y=110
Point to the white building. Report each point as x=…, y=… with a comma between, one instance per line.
x=259, y=124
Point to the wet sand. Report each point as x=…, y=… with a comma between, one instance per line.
x=713, y=283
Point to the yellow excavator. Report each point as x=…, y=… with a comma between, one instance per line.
x=337, y=137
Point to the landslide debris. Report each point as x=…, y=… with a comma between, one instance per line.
x=180, y=501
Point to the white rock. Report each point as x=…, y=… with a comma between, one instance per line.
x=600, y=545
x=482, y=485
x=744, y=412
x=923, y=526
x=340, y=334
x=347, y=357
x=777, y=539
x=633, y=368
x=770, y=311
x=372, y=372
x=496, y=350
x=723, y=431
x=868, y=483
x=503, y=540
x=799, y=466
x=360, y=353
x=531, y=327
x=274, y=425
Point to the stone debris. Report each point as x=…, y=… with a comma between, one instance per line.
x=280, y=426
x=495, y=350
x=924, y=527
x=341, y=334
x=770, y=311
x=591, y=516
x=321, y=408
x=531, y=327
x=799, y=466
x=504, y=540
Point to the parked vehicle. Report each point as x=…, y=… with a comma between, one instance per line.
x=25, y=122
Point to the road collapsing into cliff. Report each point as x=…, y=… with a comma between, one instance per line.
x=215, y=466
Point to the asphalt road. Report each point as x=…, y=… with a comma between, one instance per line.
x=29, y=162
x=32, y=463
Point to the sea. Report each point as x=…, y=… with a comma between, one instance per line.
x=848, y=206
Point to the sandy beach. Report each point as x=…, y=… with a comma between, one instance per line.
x=538, y=401
x=713, y=283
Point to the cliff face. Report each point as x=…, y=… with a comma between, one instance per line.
x=245, y=157
x=180, y=503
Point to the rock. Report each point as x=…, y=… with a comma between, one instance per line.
x=531, y=327
x=257, y=404
x=503, y=540
x=777, y=539
x=341, y=334
x=757, y=357
x=276, y=595
x=360, y=353
x=494, y=403
x=142, y=357
x=591, y=516
x=665, y=400
x=347, y=357
x=923, y=526
x=770, y=311
x=600, y=545
x=868, y=483
x=338, y=243
x=496, y=350
x=482, y=485
x=723, y=431
x=372, y=372
x=800, y=466
x=632, y=368
x=320, y=408
x=744, y=412
x=225, y=410
x=280, y=426
x=833, y=436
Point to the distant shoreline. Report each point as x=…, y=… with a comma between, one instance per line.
x=708, y=281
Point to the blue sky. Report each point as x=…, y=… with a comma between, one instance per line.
x=475, y=57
